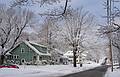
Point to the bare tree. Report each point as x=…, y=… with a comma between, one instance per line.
x=113, y=27
x=42, y=3
x=48, y=35
x=12, y=24
x=75, y=30
x=45, y=32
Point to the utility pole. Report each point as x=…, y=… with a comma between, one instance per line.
x=109, y=23
x=48, y=35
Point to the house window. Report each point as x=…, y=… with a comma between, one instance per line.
x=22, y=50
x=34, y=57
x=16, y=56
x=10, y=57
x=40, y=57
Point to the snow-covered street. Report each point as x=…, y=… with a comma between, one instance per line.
x=44, y=71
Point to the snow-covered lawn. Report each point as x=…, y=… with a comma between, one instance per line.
x=115, y=73
x=43, y=71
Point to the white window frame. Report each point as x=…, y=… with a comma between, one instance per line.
x=16, y=56
x=22, y=50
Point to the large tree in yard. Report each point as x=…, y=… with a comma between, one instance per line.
x=75, y=29
x=12, y=23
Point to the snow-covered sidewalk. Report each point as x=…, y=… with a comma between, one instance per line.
x=115, y=73
x=44, y=71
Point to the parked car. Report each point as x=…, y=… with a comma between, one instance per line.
x=8, y=66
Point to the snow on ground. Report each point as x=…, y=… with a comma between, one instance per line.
x=115, y=73
x=43, y=71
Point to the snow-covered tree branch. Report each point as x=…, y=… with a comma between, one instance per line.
x=11, y=26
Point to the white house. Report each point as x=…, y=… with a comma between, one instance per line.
x=58, y=57
x=79, y=56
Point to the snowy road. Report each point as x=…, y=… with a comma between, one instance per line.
x=96, y=72
x=44, y=71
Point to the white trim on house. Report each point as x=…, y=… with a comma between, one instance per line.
x=8, y=53
x=38, y=52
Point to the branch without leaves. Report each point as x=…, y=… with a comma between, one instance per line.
x=61, y=14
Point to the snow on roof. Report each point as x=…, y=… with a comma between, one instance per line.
x=32, y=47
x=64, y=57
x=70, y=53
x=58, y=51
x=8, y=53
x=84, y=54
x=36, y=44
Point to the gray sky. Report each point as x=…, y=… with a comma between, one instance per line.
x=94, y=6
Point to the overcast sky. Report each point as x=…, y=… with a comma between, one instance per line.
x=94, y=6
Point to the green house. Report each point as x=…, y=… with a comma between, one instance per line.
x=28, y=53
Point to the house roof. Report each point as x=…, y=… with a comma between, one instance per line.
x=33, y=48
x=28, y=43
x=8, y=53
x=70, y=53
x=58, y=51
x=37, y=44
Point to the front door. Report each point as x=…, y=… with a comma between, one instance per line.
x=23, y=61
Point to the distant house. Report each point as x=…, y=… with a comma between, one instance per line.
x=69, y=54
x=58, y=57
x=28, y=53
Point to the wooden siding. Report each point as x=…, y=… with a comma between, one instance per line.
x=27, y=53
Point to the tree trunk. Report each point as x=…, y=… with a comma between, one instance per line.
x=81, y=65
x=2, y=58
x=74, y=56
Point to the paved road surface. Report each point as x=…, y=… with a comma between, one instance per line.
x=96, y=72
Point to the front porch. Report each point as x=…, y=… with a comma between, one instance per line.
x=41, y=60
